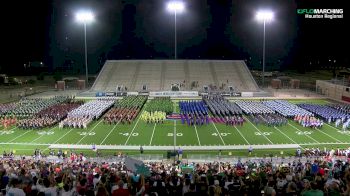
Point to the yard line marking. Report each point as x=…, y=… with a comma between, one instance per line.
x=42, y=135
x=334, y=128
x=302, y=131
x=241, y=135
x=174, y=106
x=59, y=139
x=10, y=129
x=110, y=132
x=218, y=133
x=132, y=130
x=20, y=135
x=63, y=136
x=286, y=136
x=154, y=128
x=89, y=131
x=195, y=128
x=258, y=130
x=37, y=138
x=174, y=133
x=329, y=135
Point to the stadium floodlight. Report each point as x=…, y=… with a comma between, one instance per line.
x=264, y=16
x=175, y=7
x=85, y=17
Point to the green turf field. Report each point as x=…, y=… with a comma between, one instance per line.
x=173, y=133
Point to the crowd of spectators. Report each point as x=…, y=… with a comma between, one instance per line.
x=77, y=176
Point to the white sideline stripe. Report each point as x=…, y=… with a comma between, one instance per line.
x=21, y=135
x=63, y=136
x=213, y=147
x=325, y=143
x=132, y=130
x=286, y=135
x=195, y=128
x=241, y=135
x=218, y=133
x=42, y=135
x=258, y=130
x=110, y=132
x=209, y=147
x=89, y=131
x=154, y=128
x=302, y=131
x=329, y=135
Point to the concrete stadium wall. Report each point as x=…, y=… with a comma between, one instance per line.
x=334, y=91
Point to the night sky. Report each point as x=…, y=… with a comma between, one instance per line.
x=44, y=30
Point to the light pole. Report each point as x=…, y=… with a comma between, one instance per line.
x=85, y=17
x=176, y=7
x=264, y=16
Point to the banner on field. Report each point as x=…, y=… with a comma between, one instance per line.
x=110, y=94
x=247, y=94
x=174, y=94
x=100, y=94
x=132, y=93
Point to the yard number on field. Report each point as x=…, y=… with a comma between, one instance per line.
x=222, y=134
x=263, y=133
x=6, y=132
x=45, y=132
x=127, y=134
x=86, y=133
x=344, y=132
x=177, y=134
x=304, y=132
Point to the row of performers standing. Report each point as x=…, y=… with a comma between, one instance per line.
x=191, y=119
x=234, y=120
x=8, y=121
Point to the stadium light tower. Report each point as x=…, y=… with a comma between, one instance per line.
x=85, y=17
x=176, y=7
x=264, y=16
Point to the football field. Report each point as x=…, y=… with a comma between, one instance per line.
x=172, y=133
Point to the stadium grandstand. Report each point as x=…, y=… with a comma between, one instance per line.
x=162, y=75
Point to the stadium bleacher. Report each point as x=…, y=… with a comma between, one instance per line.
x=159, y=75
